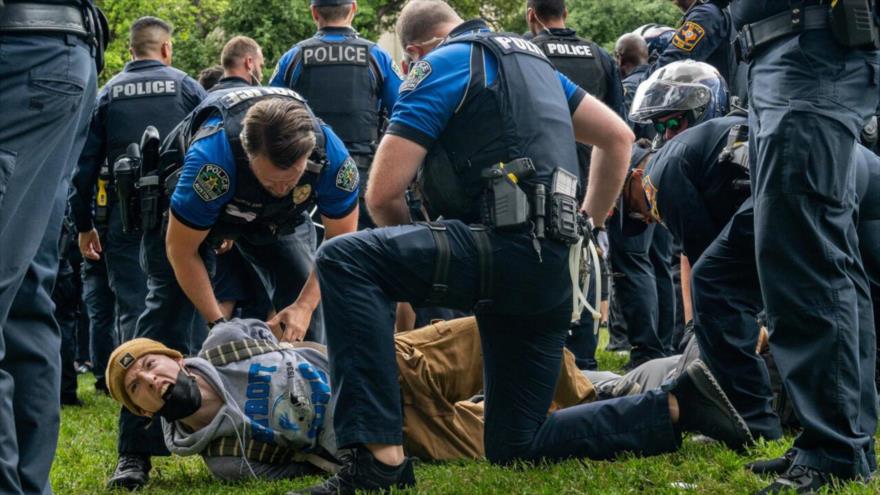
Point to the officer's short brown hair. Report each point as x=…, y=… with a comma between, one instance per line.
x=236, y=50
x=147, y=34
x=281, y=130
x=333, y=13
x=419, y=20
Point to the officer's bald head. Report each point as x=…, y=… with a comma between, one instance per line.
x=150, y=38
x=630, y=51
x=423, y=20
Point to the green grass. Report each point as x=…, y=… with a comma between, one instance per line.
x=86, y=457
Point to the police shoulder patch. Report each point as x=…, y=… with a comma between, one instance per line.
x=688, y=36
x=396, y=69
x=211, y=182
x=417, y=73
x=347, y=178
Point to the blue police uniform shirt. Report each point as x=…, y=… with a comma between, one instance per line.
x=682, y=173
x=390, y=72
x=704, y=29
x=420, y=116
x=94, y=153
x=195, y=212
x=630, y=84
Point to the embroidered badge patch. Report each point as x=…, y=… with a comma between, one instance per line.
x=651, y=194
x=211, y=182
x=418, y=73
x=396, y=69
x=687, y=37
x=301, y=193
x=347, y=178
x=126, y=360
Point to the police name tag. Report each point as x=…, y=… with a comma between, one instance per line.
x=569, y=50
x=143, y=88
x=336, y=54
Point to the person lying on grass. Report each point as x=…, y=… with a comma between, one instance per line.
x=254, y=407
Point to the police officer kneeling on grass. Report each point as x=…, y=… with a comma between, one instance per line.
x=507, y=120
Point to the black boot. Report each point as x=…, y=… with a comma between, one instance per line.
x=798, y=479
x=704, y=408
x=362, y=472
x=132, y=472
x=776, y=466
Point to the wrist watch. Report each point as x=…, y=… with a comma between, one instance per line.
x=212, y=324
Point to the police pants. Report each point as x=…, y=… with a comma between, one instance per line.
x=284, y=266
x=809, y=99
x=66, y=296
x=522, y=336
x=660, y=254
x=101, y=308
x=727, y=299
x=127, y=280
x=48, y=88
x=635, y=288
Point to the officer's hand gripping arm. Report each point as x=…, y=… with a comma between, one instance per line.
x=596, y=124
x=182, y=245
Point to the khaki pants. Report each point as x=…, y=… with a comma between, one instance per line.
x=441, y=367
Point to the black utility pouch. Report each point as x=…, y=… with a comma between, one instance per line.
x=853, y=24
x=563, y=225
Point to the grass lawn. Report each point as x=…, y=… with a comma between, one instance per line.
x=86, y=457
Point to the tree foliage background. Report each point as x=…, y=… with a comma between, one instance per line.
x=201, y=27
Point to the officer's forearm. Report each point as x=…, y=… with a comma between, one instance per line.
x=392, y=212
x=193, y=278
x=607, y=173
x=310, y=295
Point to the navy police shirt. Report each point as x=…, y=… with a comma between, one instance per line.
x=390, y=71
x=95, y=152
x=703, y=31
x=435, y=87
x=201, y=213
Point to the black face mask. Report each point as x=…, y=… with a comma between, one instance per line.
x=181, y=399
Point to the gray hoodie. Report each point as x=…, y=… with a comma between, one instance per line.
x=280, y=398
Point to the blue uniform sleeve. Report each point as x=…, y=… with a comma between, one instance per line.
x=207, y=181
x=573, y=93
x=193, y=92
x=679, y=202
x=88, y=167
x=392, y=78
x=337, y=188
x=704, y=29
x=281, y=68
x=432, y=91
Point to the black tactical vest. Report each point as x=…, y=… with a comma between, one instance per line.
x=139, y=98
x=523, y=113
x=253, y=213
x=577, y=58
x=336, y=81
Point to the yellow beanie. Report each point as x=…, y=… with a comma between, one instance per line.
x=121, y=360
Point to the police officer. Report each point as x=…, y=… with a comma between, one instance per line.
x=251, y=162
x=147, y=92
x=813, y=85
x=703, y=34
x=47, y=79
x=512, y=273
x=347, y=80
x=631, y=54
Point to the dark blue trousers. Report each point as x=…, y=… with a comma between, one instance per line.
x=635, y=287
x=101, y=307
x=660, y=254
x=47, y=85
x=125, y=276
x=522, y=335
x=727, y=299
x=809, y=99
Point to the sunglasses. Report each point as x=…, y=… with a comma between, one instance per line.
x=672, y=124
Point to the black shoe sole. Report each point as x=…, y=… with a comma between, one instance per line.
x=705, y=382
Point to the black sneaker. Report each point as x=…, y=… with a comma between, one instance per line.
x=361, y=471
x=798, y=479
x=704, y=408
x=777, y=465
x=132, y=472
